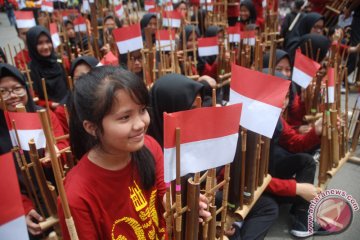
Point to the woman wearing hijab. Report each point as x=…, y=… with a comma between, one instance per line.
x=175, y=92
x=309, y=23
x=82, y=65
x=44, y=64
x=79, y=66
x=14, y=91
x=248, y=16
x=149, y=20
x=296, y=111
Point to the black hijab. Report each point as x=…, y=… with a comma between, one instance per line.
x=170, y=93
x=5, y=71
x=189, y=29
x=280, y=54
x=318, y=43
x=91, y=61
x=304, y=26
x=144, y=22
x=45, y=67
x=250, y=6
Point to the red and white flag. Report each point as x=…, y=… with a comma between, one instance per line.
x=80, y=24
x=208, y=46
x=26, y=130
x=12, y=217
x=25, y=19
x=262, y=96
x=304, y=69
x=248, y=37
x=207, y=5
x=168, y=6
x=172, y=19
x=234, y=34
x=128, y=39
x=331, y=85
x=54, y=35
x=47, y=6
x=208, y=139
x=149, y=4
x=119, y=10
x=165, y=40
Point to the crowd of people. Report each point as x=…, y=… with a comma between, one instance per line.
x=115, y=123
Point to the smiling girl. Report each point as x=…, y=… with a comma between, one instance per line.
x=117, y=186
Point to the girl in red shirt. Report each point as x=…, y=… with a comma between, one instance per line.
x=117, y=189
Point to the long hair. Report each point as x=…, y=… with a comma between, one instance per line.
x=92, y=100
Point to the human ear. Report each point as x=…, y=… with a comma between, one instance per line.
x=90, y=127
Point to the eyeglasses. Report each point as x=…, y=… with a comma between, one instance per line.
x=137, y=58
x=18, y=91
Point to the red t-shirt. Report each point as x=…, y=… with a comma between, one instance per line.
x=112, y=204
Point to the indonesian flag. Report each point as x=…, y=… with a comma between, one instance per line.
x=85, y=7
x=172, y=19
x=12, y=217
x=54, y=34
x=148, y=4
x=248, y=37
x=262, y=96
x=65, y=15
x=207, y=5
x=80, y=24
x=128, y=39
x=304, y=69
x=25, y=19
x=28, y=129
x=47, y=6
x=331, y=85
x=169, y=6
x=156, y=11
x=234, y=34
x=165, y=40
x=208, y=139
x=208, y=46
x=119, y=10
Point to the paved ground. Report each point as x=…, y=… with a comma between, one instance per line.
x=348, y=178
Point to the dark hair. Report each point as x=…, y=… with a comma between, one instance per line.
x=92, y=100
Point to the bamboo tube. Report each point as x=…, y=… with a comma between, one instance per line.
x=41, y=179
x=250, y=172
x=178, y=188
x=49, y=222
x=212, y=222
x=192, y=215
x=324, y=151
x=58, y=176
x=335, y=138
x=246, y=208
x=243, y=165
x=168, y=212
x=225, y=199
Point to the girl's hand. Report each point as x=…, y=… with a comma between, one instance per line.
x=307, y=191
x=32, y=219
x=203, y=204
x=318, y=126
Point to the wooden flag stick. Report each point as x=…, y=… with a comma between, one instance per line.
x=58, y=175
x=178, y=219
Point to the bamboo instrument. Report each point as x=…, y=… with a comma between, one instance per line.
x=11, y=57
x=41, y=179
x=251, y=158
x=335, y=138
x=324, y=151
x=192, y=214
x=178, y=188
x=58, y=176
x=236, y=176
